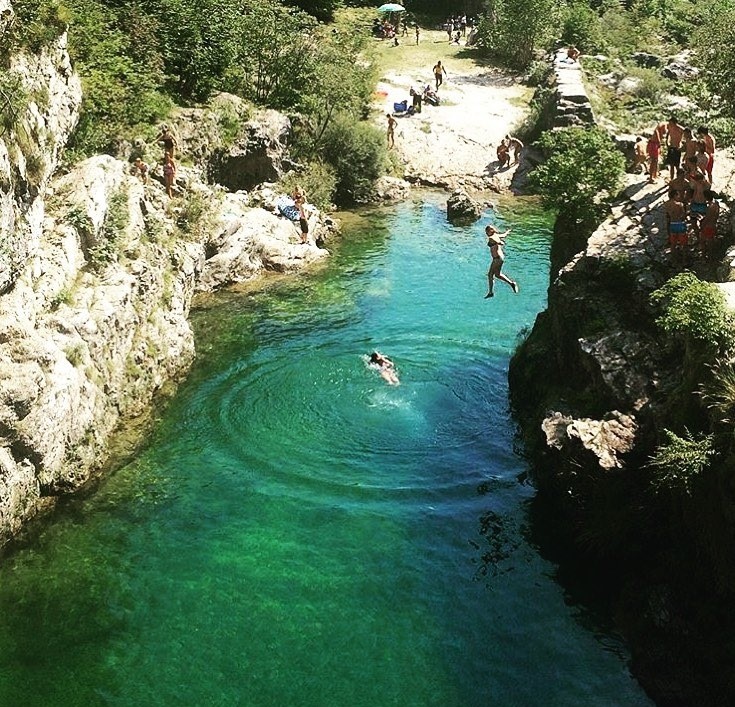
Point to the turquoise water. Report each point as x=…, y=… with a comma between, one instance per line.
x=297, y=532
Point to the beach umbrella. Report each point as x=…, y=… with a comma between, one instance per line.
x=391, y=7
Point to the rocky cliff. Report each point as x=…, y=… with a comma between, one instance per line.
x=596, y=384
x=98, y=270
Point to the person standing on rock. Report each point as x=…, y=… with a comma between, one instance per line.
x=708, y=227
x=673, y=154
x=169, y=173
x=709, y=146
x=299, y=199
x=653, y=150
x=515, y=146
x=439, y=73
x=391, y=134
x=676, y=226
x=495, y=243
x=167, y=140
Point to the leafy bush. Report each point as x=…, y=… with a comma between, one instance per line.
x=317, y=180
x=697, y=310
x=581, y=27
x=357, y=154
x=651, y=87
x=581, y=173
x=679, y=462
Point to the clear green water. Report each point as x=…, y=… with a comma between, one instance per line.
x=299, y=533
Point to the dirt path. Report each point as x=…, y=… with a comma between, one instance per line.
x=452, y=145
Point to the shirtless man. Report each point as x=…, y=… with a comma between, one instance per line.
x=681, y=184
x=653, y=151
x=698, y=205
x=495, y=243
x=709, y=146
x=391, y=134
x=503, y=154
x=676, y=227
x=689, y=144
x=514, y=145
x=675, y=135
x=708, y=226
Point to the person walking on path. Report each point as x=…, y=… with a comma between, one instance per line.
x=439, y=73
x=495, y=243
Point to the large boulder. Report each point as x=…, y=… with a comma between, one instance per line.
x=461, y=208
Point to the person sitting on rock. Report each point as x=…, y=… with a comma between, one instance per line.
x=573, y=54
x=640, y=157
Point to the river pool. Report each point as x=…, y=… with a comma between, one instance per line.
x=297, y=532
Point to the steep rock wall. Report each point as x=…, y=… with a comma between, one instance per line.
x=49, y=96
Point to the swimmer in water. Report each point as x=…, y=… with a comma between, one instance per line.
x=386, y=367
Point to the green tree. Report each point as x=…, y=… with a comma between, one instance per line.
x=345, y=87
x=276, y=46
x=512, y=30
x=357, y=154
x=714, y=44
x=581, y=174
x=696, y=310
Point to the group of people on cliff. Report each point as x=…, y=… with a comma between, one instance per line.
x=692, y=210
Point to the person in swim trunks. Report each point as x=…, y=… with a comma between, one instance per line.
x=495, y=242
x=708, y=226
x=676, y=227
x=675, y=136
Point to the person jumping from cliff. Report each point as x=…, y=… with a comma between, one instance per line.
x=495, y=242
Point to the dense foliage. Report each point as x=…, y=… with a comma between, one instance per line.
x=696, y=310
x=582, y=172
x=138, y=57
